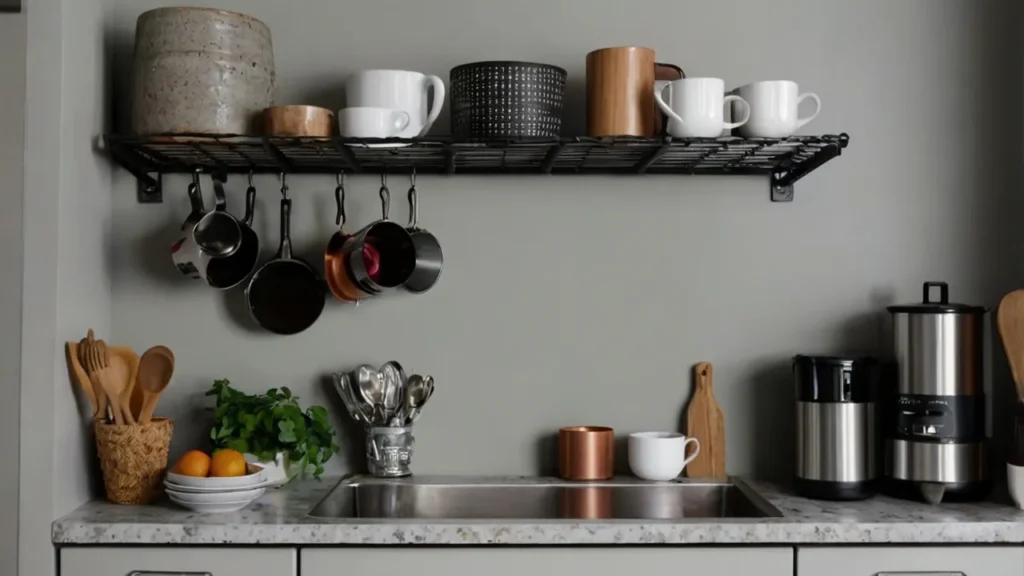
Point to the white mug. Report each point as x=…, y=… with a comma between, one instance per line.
x=773, y=108
x=696, y=107
x=366, y=122
x=397, y=90
x=659, y=456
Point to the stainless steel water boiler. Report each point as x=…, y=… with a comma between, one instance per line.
x=935, y=445
x=836, y=429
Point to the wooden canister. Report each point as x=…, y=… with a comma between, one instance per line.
x=620, y=92
x=200, y=70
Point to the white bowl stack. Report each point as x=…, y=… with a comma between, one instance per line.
x=216, y=495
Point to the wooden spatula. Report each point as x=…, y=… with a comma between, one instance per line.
x=155, y=370
x=704, y=421
x=131, y=399
x=1010, y=319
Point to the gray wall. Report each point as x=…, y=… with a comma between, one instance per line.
x=586, y=300
x=12, y=158
x=66, y=285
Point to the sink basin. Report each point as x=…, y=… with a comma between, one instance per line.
x=541, y=499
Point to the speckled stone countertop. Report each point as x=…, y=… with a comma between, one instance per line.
x=281, y=517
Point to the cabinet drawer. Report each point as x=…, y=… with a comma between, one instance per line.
x=906, y=561
x=183, y=561
x=543, y=561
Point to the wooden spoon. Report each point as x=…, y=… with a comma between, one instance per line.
x=155, y=370
x=1010, y=319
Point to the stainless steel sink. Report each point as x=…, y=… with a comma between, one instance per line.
x=434, y=498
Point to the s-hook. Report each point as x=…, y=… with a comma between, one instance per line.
x=339, y=199
x=284, y=185
x=385, y=195
x=414, y=205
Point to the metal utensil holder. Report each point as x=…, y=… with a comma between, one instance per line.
x=389, y=451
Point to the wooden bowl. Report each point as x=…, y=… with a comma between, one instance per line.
x=298, y=121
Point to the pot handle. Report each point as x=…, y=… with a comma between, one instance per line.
x=943, y=292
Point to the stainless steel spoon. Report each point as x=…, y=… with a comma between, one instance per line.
x=417, y=392
x=371, y=390
x=394, y=383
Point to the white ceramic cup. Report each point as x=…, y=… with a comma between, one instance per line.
x=1015, y=482
x=696, y=107
x=397, y=90
x=366, y=122
x=659, y=456
x=773, y=108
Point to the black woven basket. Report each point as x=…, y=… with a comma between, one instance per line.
x=506, y=99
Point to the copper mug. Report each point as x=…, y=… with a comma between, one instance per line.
x=620, y=91
x=586, y=453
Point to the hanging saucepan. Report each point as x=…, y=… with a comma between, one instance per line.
x=341, y=284
x=429, y=258
x=286, y=295
x=393, y=243
x=217, y=233
x=223, y=273
x=187, y=257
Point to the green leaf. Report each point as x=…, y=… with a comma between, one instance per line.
x=237, y=444
x=287, y=428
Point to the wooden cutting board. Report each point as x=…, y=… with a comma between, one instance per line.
x=704, y=421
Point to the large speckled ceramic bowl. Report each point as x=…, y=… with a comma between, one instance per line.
x=199, y=70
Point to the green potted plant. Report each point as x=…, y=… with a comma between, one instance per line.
x=273, y=430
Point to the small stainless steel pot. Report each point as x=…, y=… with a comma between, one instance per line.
x=429, y=257
x=392, y=242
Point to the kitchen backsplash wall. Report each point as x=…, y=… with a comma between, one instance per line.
x=586, y=300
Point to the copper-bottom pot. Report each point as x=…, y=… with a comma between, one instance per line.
x=586, y=453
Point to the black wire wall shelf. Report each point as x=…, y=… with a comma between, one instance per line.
x=784, y=160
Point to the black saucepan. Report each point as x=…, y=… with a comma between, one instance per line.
x=224, y=273
x=286, y=295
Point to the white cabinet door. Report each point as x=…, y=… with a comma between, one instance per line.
x=177, y=561
x=560, y=561
x=910, y=561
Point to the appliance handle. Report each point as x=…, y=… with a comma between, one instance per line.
x=943, y=297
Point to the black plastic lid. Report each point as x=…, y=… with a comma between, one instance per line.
x=834, y=379
x=940, y=306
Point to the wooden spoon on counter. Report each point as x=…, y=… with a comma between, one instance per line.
x=155, y=370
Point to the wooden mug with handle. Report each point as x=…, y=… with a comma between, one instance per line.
x=620, y=91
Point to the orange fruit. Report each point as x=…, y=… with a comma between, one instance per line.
x=193, y=463
x=227, y=463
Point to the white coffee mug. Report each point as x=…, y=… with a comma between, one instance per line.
x=659, y=456
x=696, y=107
x=397, y=90
x=773, y=108
x=366, y=122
